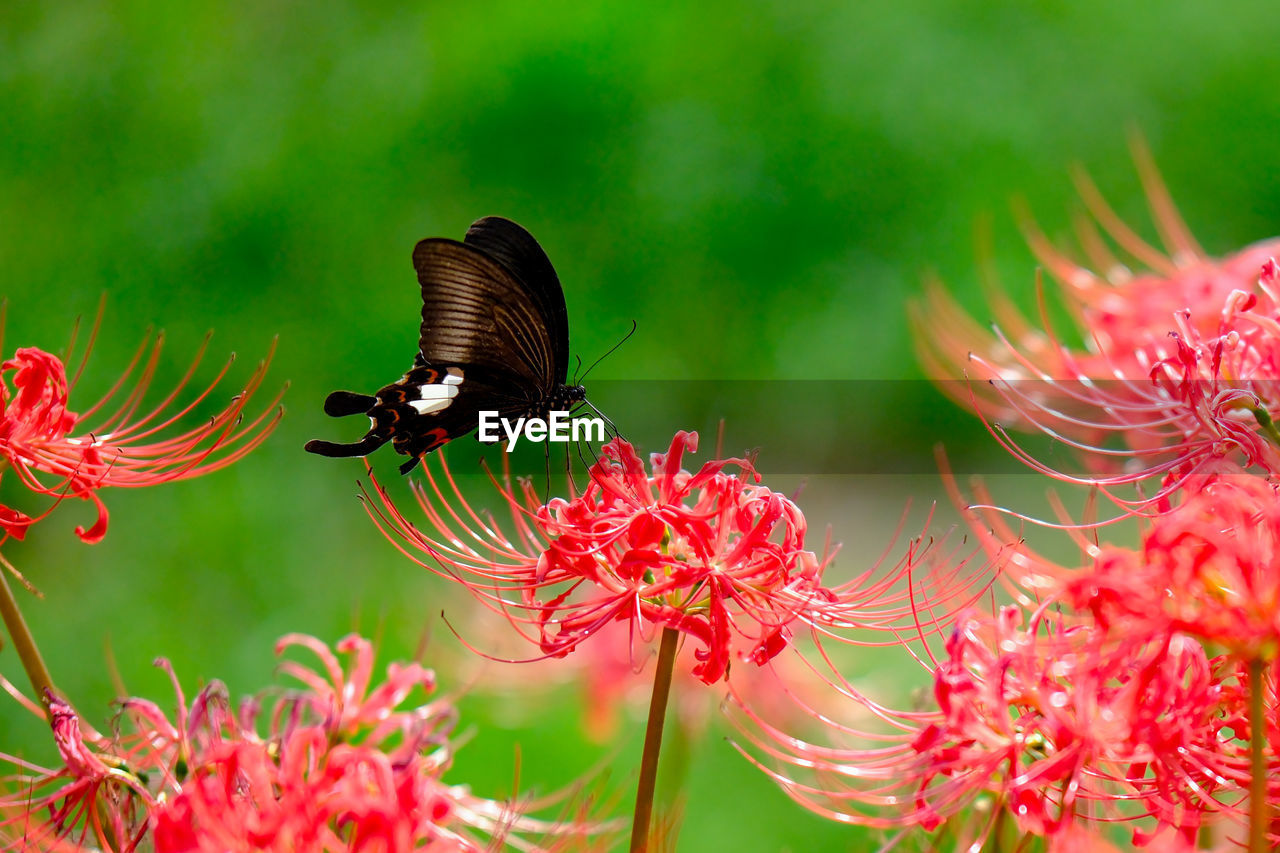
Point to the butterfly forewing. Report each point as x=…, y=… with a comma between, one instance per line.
x=476, y=313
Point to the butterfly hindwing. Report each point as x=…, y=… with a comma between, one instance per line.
x=432, y=405
x=425, y=410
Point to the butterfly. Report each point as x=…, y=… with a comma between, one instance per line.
x=494, y=337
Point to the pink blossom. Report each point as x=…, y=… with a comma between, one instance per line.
x=613, y=677
x=1179, y=368
x=343, y=765
x=1057, y=723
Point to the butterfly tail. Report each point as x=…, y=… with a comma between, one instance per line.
x=342, y=403
x=334, y=450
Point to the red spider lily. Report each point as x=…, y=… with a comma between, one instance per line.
x=1206, y=568
x=92, y=795
x=1050, y=725
x=343, y=767
x=710, y=554
x=60, y=453
x=1180, y=366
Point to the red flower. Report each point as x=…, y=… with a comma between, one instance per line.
x=1206, y=568
x=58, y=452
x=93, y=796
x=1059, y=723
x=710, y=554
x=342, y=767
x=1179, y=370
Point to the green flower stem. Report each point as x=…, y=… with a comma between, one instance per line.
x=1259, y=813
x=653, y=740
x=24, y=643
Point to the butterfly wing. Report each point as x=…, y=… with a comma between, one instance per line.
x=516, y=249
x=476, y=312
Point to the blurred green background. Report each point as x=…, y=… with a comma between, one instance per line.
x=760, y=186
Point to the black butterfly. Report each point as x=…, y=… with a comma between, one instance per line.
x=495, y=337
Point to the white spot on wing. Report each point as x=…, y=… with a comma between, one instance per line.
x=426, y=407
x=437, y=397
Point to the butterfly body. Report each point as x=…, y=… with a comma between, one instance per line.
x=494, y=337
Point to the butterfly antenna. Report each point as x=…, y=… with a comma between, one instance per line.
x=585, y=464
x=611, y=351
x=577, y=367
x=571, y=482
x=609, y=424
x=546, y=492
